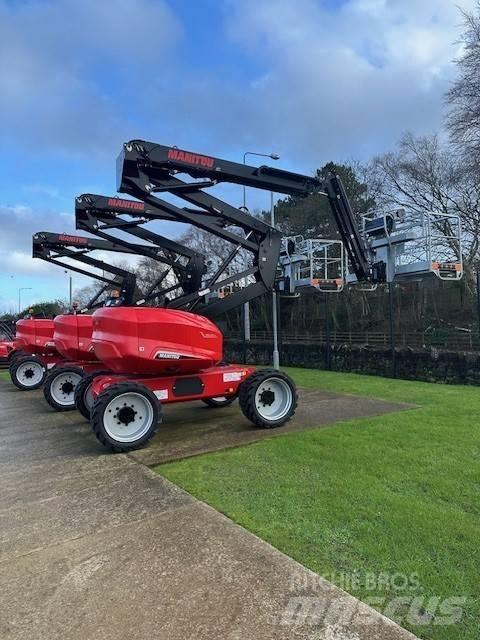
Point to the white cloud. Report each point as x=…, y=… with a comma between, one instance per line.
x=18, y=223
x=332, y=83
x=59, y=60
x=42, y=190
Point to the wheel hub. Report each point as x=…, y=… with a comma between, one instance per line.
x=267, y=397
x=67, y=388
x=28, y=373
x=125, y=415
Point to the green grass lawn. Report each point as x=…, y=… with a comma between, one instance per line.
x=395, y=494
x=4, y=375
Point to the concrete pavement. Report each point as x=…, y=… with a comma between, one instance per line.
x=96, y=546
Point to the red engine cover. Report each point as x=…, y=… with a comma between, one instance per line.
x=155, y=341
x=34, y=335
x=73, y=337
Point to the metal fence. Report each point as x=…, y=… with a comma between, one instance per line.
x=445, y=339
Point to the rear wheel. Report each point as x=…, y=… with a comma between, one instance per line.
x=59, y=387
x=268, y=398
x=125, y=416
x=84, y=397
x=28, y=373
x=219, y=401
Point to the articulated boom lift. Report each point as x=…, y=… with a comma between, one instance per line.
x=159, y=356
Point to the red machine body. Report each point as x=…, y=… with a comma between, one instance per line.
x=176, y=354
x=6, y=347
x=35, y=336
x=73, y=337
x=155, y=341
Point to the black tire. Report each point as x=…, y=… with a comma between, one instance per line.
x=107, y=416
x=216, y=403
x=25, y=377
x=59, y=387
x=16, y=353
x=274, y=409
x=82, y=399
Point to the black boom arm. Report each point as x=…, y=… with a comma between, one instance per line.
x=54, y=247
x=146, y=169
x=102, y=215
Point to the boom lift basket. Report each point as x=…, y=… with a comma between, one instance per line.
x=436, y=249
x=413, y=245
x=315, y=263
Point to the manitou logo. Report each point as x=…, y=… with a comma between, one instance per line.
x=190, y=158
x=126, y=204
x=72, y=239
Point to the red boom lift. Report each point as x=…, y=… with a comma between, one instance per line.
x=64, y=344
x=44, y=344
x=166, y=355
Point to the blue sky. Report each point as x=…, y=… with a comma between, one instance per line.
x=313, y=80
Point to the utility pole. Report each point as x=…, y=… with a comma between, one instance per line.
x=69, y=288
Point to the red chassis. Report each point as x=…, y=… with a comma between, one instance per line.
x=6, y=348
x=222, y=381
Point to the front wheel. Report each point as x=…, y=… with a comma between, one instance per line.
x=28, y=373
x=59, y=387
x=84, y=397
x=125, y=416
x=268, y=398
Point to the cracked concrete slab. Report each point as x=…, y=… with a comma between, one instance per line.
x=98, y=547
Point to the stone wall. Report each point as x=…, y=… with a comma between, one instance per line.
x=431, y=365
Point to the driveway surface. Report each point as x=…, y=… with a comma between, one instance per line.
x=97, y=547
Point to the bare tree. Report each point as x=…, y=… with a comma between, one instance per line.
x=215, y=250
x=464, y=96
x=83, y=295
x=425, y=176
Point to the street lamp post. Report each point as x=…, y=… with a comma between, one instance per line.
x=20, y=296
x=276, y=355
x=246, y=306
x=70, y=289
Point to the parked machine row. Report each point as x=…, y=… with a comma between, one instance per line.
x=130, y=351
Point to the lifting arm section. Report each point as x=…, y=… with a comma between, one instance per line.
x=53, y=247
x=101, y=215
